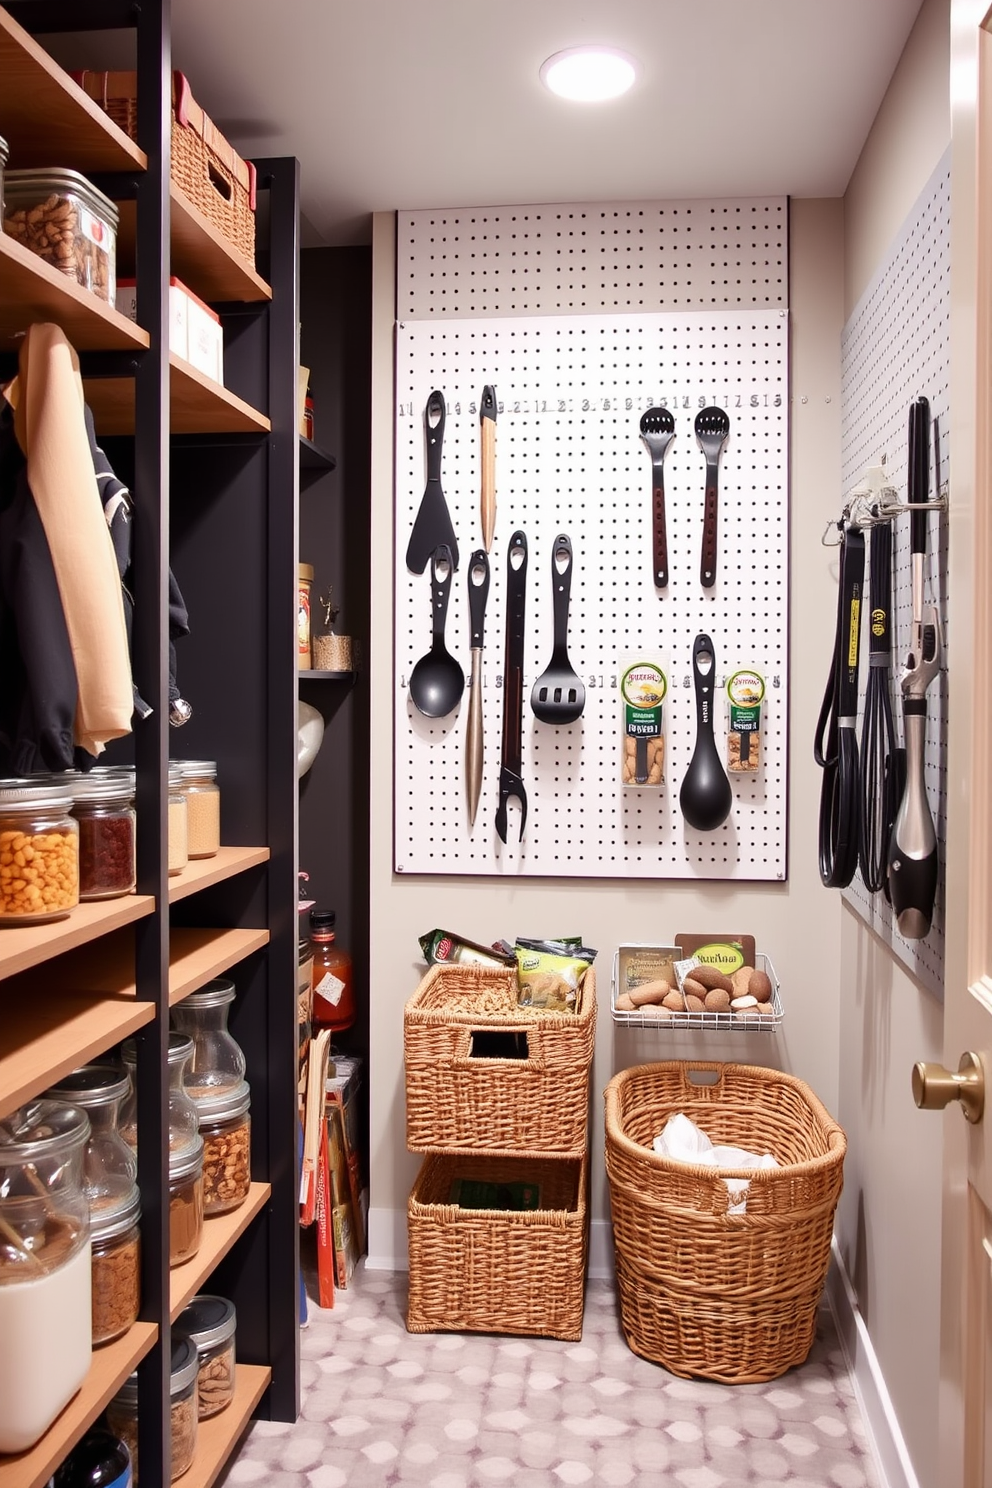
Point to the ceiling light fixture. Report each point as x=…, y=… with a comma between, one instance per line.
x=589, y=74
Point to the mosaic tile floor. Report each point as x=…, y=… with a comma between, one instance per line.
x=382, y=1406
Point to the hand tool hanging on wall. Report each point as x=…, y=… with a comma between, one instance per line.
x=712, y=428
x=478, y=593
x=559, y=695
x=882, y=762
x=657, y=432
x=913, y=848
x=511, y=763
x=432, y=527
x=487, y=435
x=705, y=797
x=835, y=747
x=437, y=681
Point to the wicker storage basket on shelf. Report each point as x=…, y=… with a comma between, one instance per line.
x=208, y=171
x=729, y=1297
x=457, y=1101
x=494, y=1270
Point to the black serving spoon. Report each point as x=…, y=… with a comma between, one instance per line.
x=705, y=796
x=437, y=681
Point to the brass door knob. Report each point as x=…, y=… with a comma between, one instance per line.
x=934, y=1087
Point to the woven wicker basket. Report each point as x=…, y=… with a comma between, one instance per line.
x=459, y=1103
x=208, y=171
x=730, y=1297
x=499, y=1271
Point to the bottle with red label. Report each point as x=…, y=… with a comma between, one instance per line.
x=333, y=989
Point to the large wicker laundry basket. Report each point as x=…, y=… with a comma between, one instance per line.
x=703, y=1291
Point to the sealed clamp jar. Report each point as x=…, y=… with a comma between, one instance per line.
x=122, y=1412
x=178, y=828
x=44, y=1268
x=225, y=1125
x=185, y=1204
x=103, y=805
x=211, y=1323
x=62, y=217
x=39, y=851
x=202, y=807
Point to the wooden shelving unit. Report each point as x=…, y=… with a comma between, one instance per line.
x=217, y=1435
x=31, y=290
x=31, y=945
x=201, y=873
x=196, y=404
x=43, y=1037
x=219, y=1234
x=201, y=258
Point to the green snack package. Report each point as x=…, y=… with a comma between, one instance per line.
x=477, y=1193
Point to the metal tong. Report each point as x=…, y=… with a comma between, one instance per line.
x=510, y=781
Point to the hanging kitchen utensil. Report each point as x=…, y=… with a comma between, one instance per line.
x=835, y=744
x=511, y=763
x=705, y=797
x=559, y=695
x=432, y=528
x=478, y=593
x=437, y=681
x=657, y=432
x=487, y=435
x=712, y=428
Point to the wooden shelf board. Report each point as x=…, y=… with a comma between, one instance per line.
x=196, y=956
x=218, y=1435
x=43, y=1037
x=110, y=1368
x=202, y=872
x=219, y=1234
x=314, y=459
x=21, y=949
x=309, y=675
x=31, y=290
x=46, y=118
x=200, y=256
x=196, y=404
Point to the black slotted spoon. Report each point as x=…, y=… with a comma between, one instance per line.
x=559, y=695
x=712, y=427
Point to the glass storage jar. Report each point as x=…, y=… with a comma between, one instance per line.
x=109, y=1166
x=103, y=805
x=182, y=1110
x=115, y=1236
x=225, y=1125
x=44, y=1268
x=178, y=829
x=185, y=1204
x=211, y=1323
x=122, y=1412
x=39, y=851
x=99, y=1460
x=217, y=1065
x=62, y=217
x=202, y=807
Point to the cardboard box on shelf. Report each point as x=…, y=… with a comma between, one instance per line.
x=195, y=331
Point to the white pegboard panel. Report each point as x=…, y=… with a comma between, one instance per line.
x=581, y=258
x=896, y=347
x=569, y=458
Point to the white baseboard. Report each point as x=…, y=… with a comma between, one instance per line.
x=388, y=1244
x=892, y=1459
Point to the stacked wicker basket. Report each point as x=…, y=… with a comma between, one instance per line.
x=497, y=1093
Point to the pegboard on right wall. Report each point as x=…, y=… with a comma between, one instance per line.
x=896, y=348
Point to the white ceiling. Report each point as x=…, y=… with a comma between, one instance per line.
x=391, y=104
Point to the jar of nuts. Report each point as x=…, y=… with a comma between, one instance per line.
x=39, y=851
x=103, y=805
x=122, y=1412
x=225, y=1126
x=210, y=1322
x=115, y=1238
x=63, y=218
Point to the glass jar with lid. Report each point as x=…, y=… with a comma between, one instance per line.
x=182, y=1110
x=185, y=1203
x=217, y=1065
x=122, y=1412
x=178, y=851
x=39, y=851
x=225, y=1125
x=103, y=805
x=211, y=1323
x=202, y=807
x=110, y=1168
x=44, y=1268
x=115, y=1237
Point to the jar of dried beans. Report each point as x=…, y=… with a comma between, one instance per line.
x=104, y=808
x=116, y=1242
x=202, y=807
x=122, y=1412
x=39, y=851
x=185, y=1204
x=210, y=1323
x=225, y=1125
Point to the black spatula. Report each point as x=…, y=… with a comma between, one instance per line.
x=432, y=528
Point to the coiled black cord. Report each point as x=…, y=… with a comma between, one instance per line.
x=835, y=747
x=882, y=764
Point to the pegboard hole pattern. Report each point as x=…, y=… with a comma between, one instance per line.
x=895, y=348
x=579, y=258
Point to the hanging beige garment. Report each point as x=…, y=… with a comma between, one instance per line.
x=47, y=397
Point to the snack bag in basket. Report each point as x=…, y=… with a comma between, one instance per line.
x=550, y=972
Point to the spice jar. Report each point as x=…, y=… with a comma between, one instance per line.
x=182, y=1110
x=62, y=217
x=39, y=851
x=104, y=808
x=225, y=1125
x=122, y=1412
x=44, y=1268
x=217, y=1064
x=185, y=1204
x=178, y=821
x=115, y=1237
x=202, y=807
x=303, y=616
x=210, y=1323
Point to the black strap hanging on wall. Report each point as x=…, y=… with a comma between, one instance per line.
x=883, y=765
x=838, y=756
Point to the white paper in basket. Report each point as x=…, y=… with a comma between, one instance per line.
x=683, y=1141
